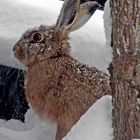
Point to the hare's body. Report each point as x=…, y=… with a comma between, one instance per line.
x=58, y=86
x=62, y=89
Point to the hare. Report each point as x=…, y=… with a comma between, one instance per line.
x=58, y=86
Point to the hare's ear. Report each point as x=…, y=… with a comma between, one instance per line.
x=85, y=12
x=68, y=13
x=74, y=15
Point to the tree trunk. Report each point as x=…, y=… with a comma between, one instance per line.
x=126, y=68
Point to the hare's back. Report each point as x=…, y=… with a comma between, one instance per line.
x=83, y=79
x=86, y=75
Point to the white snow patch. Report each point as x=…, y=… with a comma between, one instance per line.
x=108, y=28
x=32, y=129
x=2, y=122
x=18, y=125
x=118, y=51
x=95, y=124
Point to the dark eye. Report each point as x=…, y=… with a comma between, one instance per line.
x=37, y=37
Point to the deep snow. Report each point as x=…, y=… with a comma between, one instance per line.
x=88, y=46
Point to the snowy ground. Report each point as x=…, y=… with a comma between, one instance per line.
x=89, y=46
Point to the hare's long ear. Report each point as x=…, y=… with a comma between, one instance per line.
x=74, y=15
x=84, y=14
x=68, y=13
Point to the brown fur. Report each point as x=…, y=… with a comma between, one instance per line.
x=63, y=90
x=58, y=86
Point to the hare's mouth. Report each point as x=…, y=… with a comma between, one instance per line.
x=14, y=48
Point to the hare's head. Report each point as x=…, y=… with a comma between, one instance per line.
x=45, y=42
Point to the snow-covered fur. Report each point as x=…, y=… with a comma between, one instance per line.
x=58, y=86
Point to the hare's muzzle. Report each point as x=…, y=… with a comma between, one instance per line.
x=17, y=50
x=14, y=48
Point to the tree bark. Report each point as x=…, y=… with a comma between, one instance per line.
x=125, y=73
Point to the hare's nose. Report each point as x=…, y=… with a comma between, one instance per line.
x=15, y=46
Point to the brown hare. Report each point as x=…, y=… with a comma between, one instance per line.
x=58, y=86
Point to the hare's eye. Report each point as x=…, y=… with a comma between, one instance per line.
x=37, y=37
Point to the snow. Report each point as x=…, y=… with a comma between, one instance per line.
x=95, y=124
x=88, y=43
x=89, y=46
x=32, y=129
x=108, y=28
